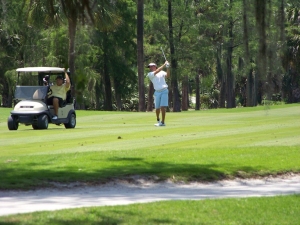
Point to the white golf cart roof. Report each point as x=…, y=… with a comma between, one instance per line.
x=41, y=69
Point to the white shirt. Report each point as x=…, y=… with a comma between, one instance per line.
x=158, y=80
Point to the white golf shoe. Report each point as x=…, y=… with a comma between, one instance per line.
x=160, y=124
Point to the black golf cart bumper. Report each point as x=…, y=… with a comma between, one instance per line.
x=28, y=117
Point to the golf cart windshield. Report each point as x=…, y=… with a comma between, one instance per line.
x=31, y=92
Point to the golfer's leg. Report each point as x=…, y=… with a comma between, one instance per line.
x=164, y=103
x=55, y=105
x=163, y=113
x=157, y=113
x=157, y=104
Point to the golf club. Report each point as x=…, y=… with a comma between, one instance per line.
x=163, y=53
x=164, y=56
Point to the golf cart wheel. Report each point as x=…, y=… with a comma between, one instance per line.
x=42, y=122
x=12, y=123
x=72, y=121
x=35, y=127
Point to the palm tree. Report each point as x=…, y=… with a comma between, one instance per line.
x=174, y=79
x=99, y=13
x=140, y=53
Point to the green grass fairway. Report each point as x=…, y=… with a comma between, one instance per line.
x=195, y=145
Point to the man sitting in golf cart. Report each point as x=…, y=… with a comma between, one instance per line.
x=58, y=93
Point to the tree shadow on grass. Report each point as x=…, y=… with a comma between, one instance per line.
x=125, y=159
x=28, y=175
x=92, y=216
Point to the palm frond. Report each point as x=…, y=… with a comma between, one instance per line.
x=106, y=19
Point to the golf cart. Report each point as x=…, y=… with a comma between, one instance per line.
x=30, y=100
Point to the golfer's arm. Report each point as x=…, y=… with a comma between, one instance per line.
x=168, y=73
x=68, y=83
x=159, y=69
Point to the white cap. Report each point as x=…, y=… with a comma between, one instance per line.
x=152, y=64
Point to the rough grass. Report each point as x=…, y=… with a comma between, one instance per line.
x=266, y=210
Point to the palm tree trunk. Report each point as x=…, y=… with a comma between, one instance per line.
x=221, y=79
x=107, y=82
x=71, y=61
x=230, y=81
x=140, y=54
x=249, y=84
x=260, y=12
x=150, y=98
x=174, y=81
x=99, y=92
x=185, y=94
x=230, y=77
x=170, y=97
x=255, y=89
x=198, y=104
x=117, y=94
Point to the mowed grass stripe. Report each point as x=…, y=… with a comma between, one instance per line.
x=94, y=141
x=105, y=137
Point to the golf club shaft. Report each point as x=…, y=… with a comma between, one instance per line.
x=163, y=53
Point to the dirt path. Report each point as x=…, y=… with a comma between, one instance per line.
x=141, y=191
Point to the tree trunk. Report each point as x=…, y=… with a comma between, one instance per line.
x=198, y=104
x=107, y=82
x=170, y=97
x=230, y=77
x=185, y=94
x=282, y=21
x=150, y=98
x=99, y=92
x=255, y=88
x=174, y=80
x=9, y=100
x=118, y=95
x=249, y=84
x=250, y=88
x=72, y=35
x=260, y=10
x=176, y=99
x=222, y=96
x=118, y=101
x=221, y=79
x=230, y=82
x=140, y=54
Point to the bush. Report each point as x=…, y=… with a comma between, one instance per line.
x=208, y=101
x=205, y=102
x=276, y=97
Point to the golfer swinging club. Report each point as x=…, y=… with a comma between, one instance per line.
x=157, y=77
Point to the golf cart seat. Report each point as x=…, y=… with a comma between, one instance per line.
x=69, y=98
x=38, y=94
